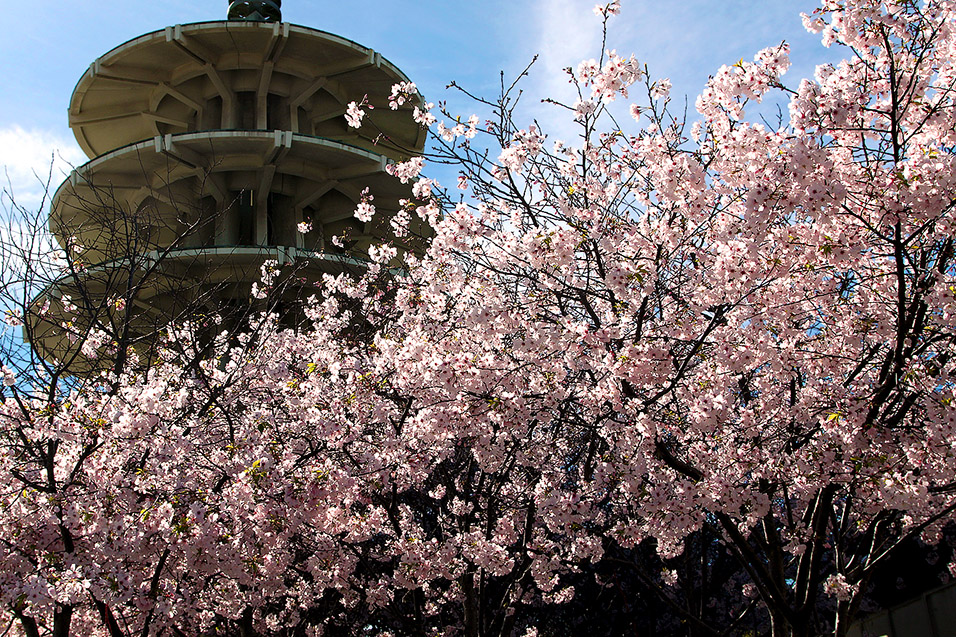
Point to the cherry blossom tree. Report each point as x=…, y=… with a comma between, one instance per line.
x=715, y=338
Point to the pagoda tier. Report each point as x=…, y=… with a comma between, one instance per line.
x=227, y=188
x=239, y=75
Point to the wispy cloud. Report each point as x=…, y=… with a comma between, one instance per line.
x=684, y=41
x=32, y=162
x=563, y=32
x=568, y=32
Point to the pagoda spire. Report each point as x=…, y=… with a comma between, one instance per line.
x=256, y=10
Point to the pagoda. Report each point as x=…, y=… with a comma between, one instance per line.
x=217, y=148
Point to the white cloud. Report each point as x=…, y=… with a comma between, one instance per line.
x=568, y=33
x=565, y=32
x=684, y=41
x=33, y=160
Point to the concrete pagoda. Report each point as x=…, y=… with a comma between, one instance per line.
x=210, y=143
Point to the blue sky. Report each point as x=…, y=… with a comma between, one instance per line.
x=50, y=44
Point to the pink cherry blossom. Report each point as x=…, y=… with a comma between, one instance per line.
x=708, y=362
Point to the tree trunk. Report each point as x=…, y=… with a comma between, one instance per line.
x=30, y=628
x=246, y=628
x=108, y=619
x=62, y=617
x=847, y=610
x=780, y=627
x=467, y=582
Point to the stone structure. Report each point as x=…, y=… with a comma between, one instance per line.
x=210, y=143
